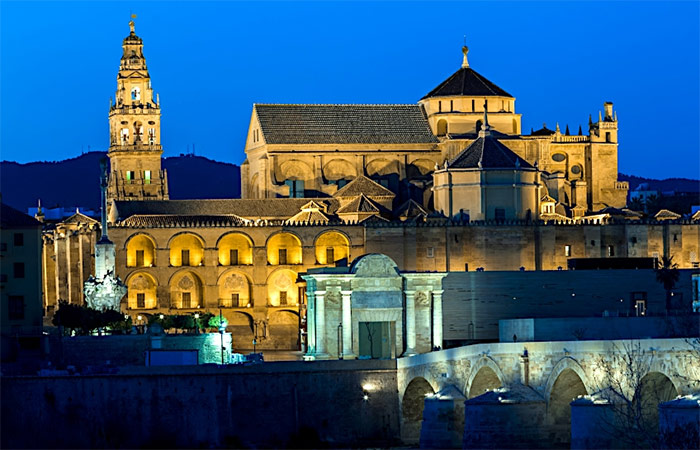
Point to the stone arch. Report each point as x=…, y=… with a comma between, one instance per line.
x=384, y=172
x=285, y=241
x=485, y=375
x=331, y=243
x=441, y=127
x=284, y=329
x=653, y=388
x=140, y=250
x=420, y=169
x=186, y=249
x=339, y=169
x=563, y=364
x=282, y=281
x=412, y=404
x=235, y=248
x=294, y=169
x=141, y=283
x=186, y=290
x=242, y=326
x=374, y=265
x=567, y=385
x=234, y=289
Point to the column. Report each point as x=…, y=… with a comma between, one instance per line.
x=347, y=325
x=410, y=323
x=310, y=321
x=320, y=329
x=437, y=318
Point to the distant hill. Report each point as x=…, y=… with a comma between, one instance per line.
x=669, y=184
x=75, y=182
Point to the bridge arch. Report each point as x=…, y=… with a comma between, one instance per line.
x=653, y=388
x=485, y=375
x=412, y=404
x=565, y=382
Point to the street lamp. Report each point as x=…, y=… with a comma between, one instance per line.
x=222, y=328
x=196, y=322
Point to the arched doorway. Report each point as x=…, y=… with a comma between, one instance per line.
x=485, y=380
x=412, y=409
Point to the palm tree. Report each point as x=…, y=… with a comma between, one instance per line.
x=667, y=274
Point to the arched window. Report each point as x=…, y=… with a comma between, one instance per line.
x=140, y=251
x=136, y=93
x=142, y=289
x=186, y=291
x=331, y=246
x=442, y=127
x=283, y=248
x=235, y=249
x=186, y=250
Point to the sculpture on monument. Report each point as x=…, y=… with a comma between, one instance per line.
x=104, y=290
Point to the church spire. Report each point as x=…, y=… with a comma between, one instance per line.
x=465, y=63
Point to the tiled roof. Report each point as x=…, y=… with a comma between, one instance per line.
x=665, y=214
x=176, y=221
x=344, y=124
x=311, y=212
x=361, y=204
x=79, y=217
x=269, y=208
x=544, y=131
x=410, y=209
x=487, y=153
x=363, y=185
x=467, y=81
x=12, y=218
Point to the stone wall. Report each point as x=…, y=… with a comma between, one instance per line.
x=129, y=350
x=474, y=302
x=266, y=405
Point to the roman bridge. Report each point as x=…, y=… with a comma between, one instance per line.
x=543, y=376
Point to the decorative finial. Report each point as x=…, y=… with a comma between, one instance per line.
x=465, y=50
x=131, y=23
x=558, y=130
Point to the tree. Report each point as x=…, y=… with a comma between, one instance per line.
x=667, y=274
x=632, y=393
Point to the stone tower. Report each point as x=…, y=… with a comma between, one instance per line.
x=134, y=125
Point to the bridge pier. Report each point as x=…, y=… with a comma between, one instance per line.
x=443, y=419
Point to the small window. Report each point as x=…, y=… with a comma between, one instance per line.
x=19, y=239
x=611, y=250
x=185, y=257
x=235, y=299
x=439, y=106
x=130, y=175
x=451, y=105
x=607, y=137
x=15, y=307
x=18, y=270
x=146, y=177
x=430, y=252
x=330, y=255
x=136, y=93
x=282, y=253
x=592, y=243
x=675, y=238
x=567, y=250
x=139, y=258
x=283, y=297
x=186, y=299
x=558, y=157
x=233, y=257
x=473, y=106
x=140, y=300
x=296, y=188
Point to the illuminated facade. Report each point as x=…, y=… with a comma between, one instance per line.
x=447, y=184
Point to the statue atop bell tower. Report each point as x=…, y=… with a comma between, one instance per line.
x=134, y=124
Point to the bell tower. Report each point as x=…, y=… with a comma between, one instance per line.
x=134, y=126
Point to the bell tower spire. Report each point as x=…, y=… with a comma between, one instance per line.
x=134, y=123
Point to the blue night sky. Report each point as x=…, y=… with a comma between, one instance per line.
x=211, y=61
